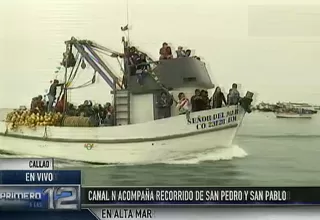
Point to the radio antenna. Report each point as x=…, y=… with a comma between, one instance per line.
x=128, y=20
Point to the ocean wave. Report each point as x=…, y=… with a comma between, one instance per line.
x=216, y=154
x=59, y=163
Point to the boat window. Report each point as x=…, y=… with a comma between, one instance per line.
x=190, y=79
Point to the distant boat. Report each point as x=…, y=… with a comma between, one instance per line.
x=293, y=115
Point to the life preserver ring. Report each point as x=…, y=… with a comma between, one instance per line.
x=88, y=146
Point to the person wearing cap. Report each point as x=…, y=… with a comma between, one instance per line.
x=181, y=52
x=52, y=93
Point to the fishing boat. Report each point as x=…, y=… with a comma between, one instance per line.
x=137, y=136
x=292, y=115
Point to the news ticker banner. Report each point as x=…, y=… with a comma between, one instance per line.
x=176, y=213
x=227, y=213
x=30, y=177
x=69, y=197
x=95, y=197
x=26, y=164
x=29, y=189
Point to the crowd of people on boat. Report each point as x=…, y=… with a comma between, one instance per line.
x=40, y=105
x=138, y=60
x=138, y=65
x=103, y=115
x=199, y=101
x=166, y=52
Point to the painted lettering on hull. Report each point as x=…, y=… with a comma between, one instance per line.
x=214, y=120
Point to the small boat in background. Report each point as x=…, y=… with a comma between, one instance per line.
x=294, y=113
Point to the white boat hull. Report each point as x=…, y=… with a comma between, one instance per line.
x=154, y=141
x=286, y=115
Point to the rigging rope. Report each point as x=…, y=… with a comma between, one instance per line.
x=81, y=86
x=120, y=64
x=72, y=76
x=119, y=81
x=101, y=51
x=77, y=56
x=74, y=70
x=86, y=84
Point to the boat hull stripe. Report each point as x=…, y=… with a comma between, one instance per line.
x=117, y=141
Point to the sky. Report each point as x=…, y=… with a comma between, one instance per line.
x=270, y=47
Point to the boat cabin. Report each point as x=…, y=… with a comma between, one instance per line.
x=181, y=74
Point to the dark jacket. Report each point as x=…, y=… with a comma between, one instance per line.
x=164, y=103
x=164, y=107
x=206, y=102
x=141, y=64
x=217, y=100
x=53, y=89
x=198, y=103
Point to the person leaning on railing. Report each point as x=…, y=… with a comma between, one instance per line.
x=183, y=105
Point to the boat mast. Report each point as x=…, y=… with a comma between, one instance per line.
x=126, y=42
x=128, y=21
x=64, y=96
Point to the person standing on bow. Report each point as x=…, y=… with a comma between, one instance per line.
x=196, y=101
x=205, y=100
x=218, y=98
x=228, y=96
x=52, y=93
x=234, y=95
